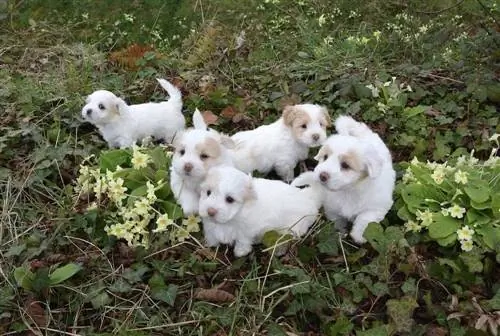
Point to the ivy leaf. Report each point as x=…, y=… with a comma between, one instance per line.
x=383, y=241
x=443, y=226
x=400, y=312
x=167, y=294
x=63, y=273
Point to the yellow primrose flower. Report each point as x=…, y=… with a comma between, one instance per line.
x=412, y=226
x=462, y=160
x=465, y=233
x=414, y=161
x=322, y=20
x=181, y=234
x=425, y=217
x=364, y=40
x=191, y=223
x=456, y=211
x=142, y=207
x=408, y=176
x=116, y=190
x=139, y=160
x=100, y=186
x=466, y=245
x=162, y=223
x=150, y=192
x=377, y=34
x=382, y=107
x=461, y=177
x=438, y=175
x=374, y=89
x=445, y=212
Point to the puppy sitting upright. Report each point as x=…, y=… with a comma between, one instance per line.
x=123, y=125
x=238, y=209
x=196, y=151
x=282, y=144
x=355, y=167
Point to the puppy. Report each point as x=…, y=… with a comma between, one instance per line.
x=123, y=125
x=282, y=144
x=196, y=151
x=238, y=209
x=355, y=168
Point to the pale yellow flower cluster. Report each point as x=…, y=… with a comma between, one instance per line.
x=465, y=237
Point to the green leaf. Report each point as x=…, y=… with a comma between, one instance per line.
x=24, y=277
x=63, y=273
x=165, y=294
x=173, y=210
x=382, y=330
x=41, y=280
x=384, y=241
x=400, y=312
x=409, y=287
x=413, y=111
x=159, y=158
x=112, y=158
x=342, y=326
x=447, y=241
x=272, y=237
x=120, y=286
x=100, y=300
x=478, y=192
x=490, y=235
x=494, y=302
x=472, y=261
x=443, y=226
x=15, y=250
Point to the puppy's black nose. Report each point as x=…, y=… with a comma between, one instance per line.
x=188, y=167
x=315, y=137
x=89, y=112
x=324, y=176
x=212, y=212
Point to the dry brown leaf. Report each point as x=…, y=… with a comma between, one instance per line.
x=237, y=118
x=129, y=56
x=435, y=330
x=210, y=118
x=36, y=312
x=228, y=112
x=213, y=295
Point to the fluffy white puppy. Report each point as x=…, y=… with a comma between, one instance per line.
x=355, y=167
x=282, y=144
x=196, y=151
x=123, y=125
x=238, y=209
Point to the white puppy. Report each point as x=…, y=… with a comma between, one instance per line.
x=238, y=209
x=196, y=151
x=123, y=125
x=282, y=144
x=355, y=167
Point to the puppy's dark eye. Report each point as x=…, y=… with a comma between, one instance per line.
x=325, y=157
x=229, y=199
x=101, y=106
x=182, y=152
x=345, y=165
x=204, y=157
x=304, y=126
x=209, y=192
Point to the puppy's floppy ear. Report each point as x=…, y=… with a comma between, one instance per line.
x=321, y=152
x=227, y=142
x=198, y=121
x=289, y=114
x=120, y=105
x=327, y=116
x=373, y=161
x=250, y=193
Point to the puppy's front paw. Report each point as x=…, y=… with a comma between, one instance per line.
x=357, y=236
x=241, y=250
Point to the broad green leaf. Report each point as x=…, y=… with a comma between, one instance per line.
x=400, y=312
x=165, y=294
x=472, y=261
x=416, y=110
x=15, y=250
x=24, y=277
x=478, y=192
x=495, y=204
x=342, y=326
x=490, y=235
x=409, y=287
x=41, y=280
x=494, y=302
x=173, y=210
x=100, y=300
x=443, y=226
x=63, y=273
x=112, y=158
x=382, y=330
x=447, y=241
x=415, y=196
x=475, y=217
x=137, y=194
x=480, y=206
x=156, y=281
x=159, y=158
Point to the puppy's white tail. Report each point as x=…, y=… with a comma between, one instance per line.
x=174, y=93
x=311, y=186
x=346, y=125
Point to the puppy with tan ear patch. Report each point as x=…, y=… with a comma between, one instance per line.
x=355, y=168
x=123, y=125
x=238, y=210
x=282, y=144
x=196, y=151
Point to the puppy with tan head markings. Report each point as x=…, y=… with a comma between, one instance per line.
x=238, y=210
x=123, y=125
x=196, y=151
x=282, y=144
x=355, y=169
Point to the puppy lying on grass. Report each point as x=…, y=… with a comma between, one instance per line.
x=282, y=144
x=237, y=209
x=123, y=125
x=196, y=151
x=355, y=169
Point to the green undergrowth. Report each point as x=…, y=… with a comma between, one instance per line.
x=423, y=74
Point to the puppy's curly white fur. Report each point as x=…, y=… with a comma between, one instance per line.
x=196, y=151
x=355, y=168
x=282, y=144
x=238, y=209
x=123, y=125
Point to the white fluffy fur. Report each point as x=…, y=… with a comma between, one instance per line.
x=355, y=167
x=123, y=125
x=200, y=148
x=282, y=144
x=238, y=209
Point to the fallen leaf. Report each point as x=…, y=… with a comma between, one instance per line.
x=228, y=112
x=435, y=330
x=209, y=117
x=237, y=118
x=213, y=295
x=36, y=312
